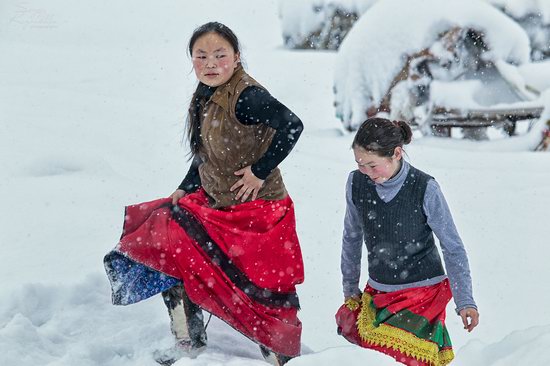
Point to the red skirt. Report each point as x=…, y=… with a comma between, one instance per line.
x=240, y=263
x=408, y=325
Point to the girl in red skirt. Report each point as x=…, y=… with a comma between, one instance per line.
x=225, y=241
x=395, y=209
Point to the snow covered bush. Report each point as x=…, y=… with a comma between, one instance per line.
x=534, y=17
x=398, y=48
x=319, y=24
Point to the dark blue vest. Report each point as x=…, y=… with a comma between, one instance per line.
x=400, y=243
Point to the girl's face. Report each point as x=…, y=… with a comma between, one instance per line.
x=214, y=60
x=378, y=168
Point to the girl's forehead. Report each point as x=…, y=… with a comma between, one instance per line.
x=358, y=151
x=211, y=42
x=365, y=156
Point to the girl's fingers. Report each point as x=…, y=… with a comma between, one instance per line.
x=236, y=185
x=464, y=320
x=470, y=320
x=240, y=193
x=176, y=198
x=474, y=322
x=246, y=194
x=245, y=190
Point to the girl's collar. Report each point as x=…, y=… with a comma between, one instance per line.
x=399, y=174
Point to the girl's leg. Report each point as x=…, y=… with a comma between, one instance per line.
x=186, y=320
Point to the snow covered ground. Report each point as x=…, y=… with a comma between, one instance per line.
x=92, y=104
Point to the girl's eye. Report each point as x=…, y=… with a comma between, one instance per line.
x=201, y=57
x=220, y=56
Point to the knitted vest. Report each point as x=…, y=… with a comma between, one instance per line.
x=228, y=145
x=400, y=243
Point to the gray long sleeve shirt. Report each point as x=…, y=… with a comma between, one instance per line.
x=440, y=221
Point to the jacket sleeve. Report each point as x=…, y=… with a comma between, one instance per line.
x=256, y=106
x=441, y=222
x=352, y=245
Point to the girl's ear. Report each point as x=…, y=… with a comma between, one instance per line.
x=237, y=59
x=398, y=153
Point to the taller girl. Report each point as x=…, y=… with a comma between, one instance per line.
x=396, y=208
x=225, y=241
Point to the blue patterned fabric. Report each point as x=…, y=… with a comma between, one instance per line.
x=131, y=281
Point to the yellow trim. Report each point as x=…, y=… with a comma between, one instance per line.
x=367, y=315
x=398, y=339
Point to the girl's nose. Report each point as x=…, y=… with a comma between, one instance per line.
x=210, y=62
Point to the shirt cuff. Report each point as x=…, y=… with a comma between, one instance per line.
x=260, y=171
x=351, y=291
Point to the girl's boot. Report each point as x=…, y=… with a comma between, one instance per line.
x=273, y=358
x=186, y=324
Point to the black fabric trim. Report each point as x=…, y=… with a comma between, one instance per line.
x=195, y=230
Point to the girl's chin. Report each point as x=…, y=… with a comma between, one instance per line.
x=213, y=82
x=210, y=82
x=379, y=180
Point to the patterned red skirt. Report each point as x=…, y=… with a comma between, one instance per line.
x=408, y=325
x=240, y=263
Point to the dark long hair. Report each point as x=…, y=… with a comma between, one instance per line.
x=381, y=136
x=200, y=95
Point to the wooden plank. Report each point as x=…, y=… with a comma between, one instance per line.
x=462, y=123
x=487, y=114
x=481, y=117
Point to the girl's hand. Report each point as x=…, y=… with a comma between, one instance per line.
x=177, y=195
x=470, y=314
x=249, y=184
x=353, y=302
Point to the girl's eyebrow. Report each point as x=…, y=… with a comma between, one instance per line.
x=218, y=50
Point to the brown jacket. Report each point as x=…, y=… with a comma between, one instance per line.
x=228, y=145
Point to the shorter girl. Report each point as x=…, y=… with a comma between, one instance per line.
x=396, y=209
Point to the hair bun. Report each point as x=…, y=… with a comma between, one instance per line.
x=406, y=131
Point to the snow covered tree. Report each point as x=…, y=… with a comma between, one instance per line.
x=319, y=24
x=534, y=17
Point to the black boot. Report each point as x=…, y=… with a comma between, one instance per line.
x=186, y=324
x=276, y=359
